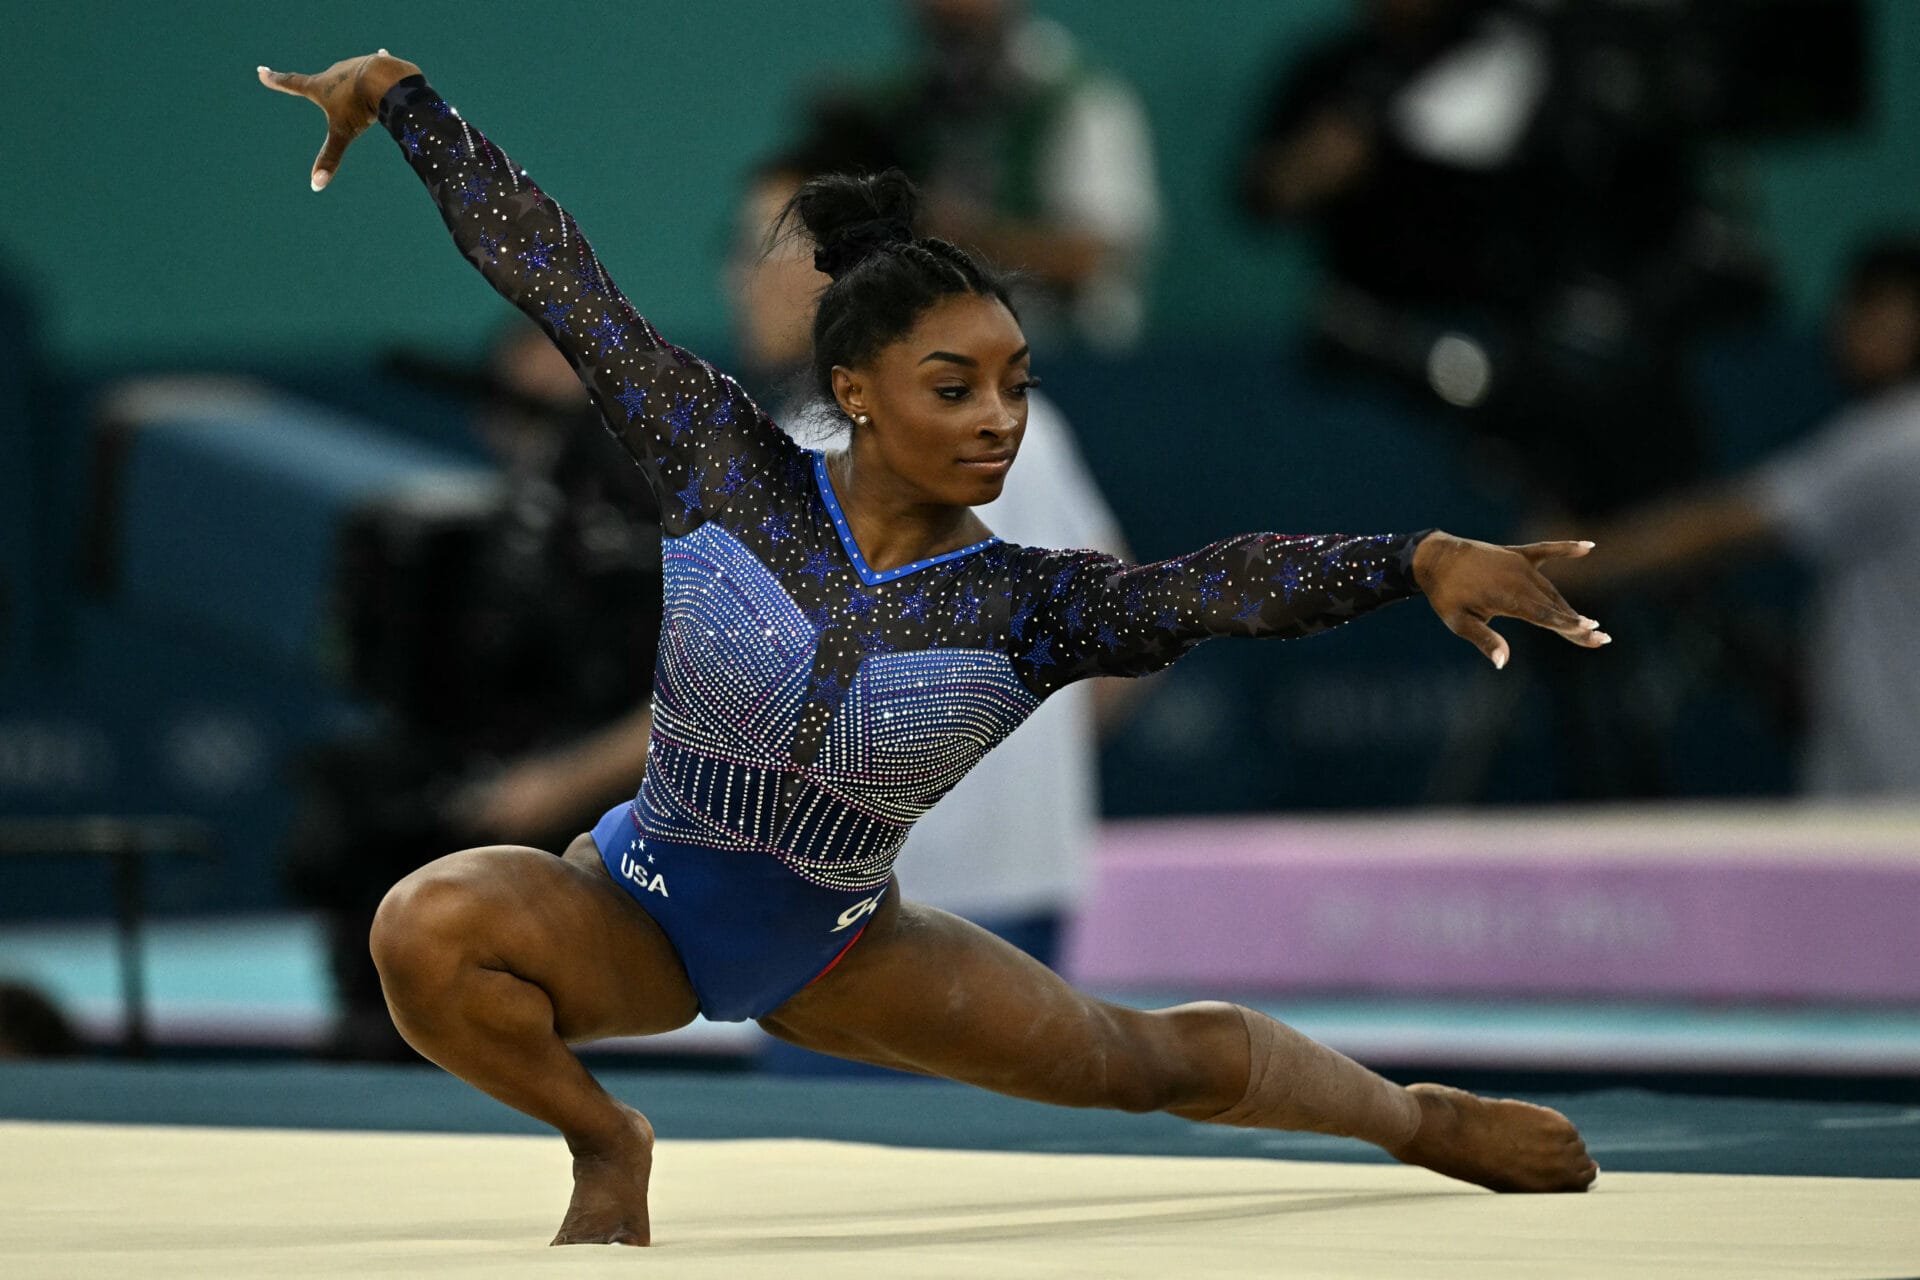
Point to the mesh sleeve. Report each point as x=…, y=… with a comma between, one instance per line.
x=692, y=429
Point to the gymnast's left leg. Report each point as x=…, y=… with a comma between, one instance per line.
x=495, y=960
x=929, y=992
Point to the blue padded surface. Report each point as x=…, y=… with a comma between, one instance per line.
x=229, y=515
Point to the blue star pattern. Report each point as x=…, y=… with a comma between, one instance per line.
x=806, y=708
x=966, y=610
x=690, y=496
x=826, y=688
x=1289, y=579
x=797, y=474
x=680, y=418
x=633, y=399
x=609, y=335
x=819, y=565
x=587, y=276
x=539, y=253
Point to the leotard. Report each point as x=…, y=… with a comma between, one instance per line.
x=807, y=708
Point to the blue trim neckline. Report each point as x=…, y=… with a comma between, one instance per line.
x=847, y=544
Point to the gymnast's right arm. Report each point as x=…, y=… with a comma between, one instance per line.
x=680, y=419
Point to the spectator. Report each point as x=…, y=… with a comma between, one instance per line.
x=553, y=794
x=1029, y=154
x=1847, y=502
x=1508, y=200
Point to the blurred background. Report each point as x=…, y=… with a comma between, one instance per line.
x=300, y=531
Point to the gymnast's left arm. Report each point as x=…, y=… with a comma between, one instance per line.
x=677, y=416
x=1094, y=615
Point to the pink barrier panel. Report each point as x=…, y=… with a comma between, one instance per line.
x=1740, y=903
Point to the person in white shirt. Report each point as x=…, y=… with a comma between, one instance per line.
x=1847, y=502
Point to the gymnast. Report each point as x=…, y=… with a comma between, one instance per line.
x=843, y=639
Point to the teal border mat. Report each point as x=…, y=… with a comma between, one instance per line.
x=1627, y=1130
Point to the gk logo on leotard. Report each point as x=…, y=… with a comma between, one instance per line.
x=859, y=911
x=644, y=876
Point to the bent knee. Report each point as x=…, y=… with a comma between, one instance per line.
x=432, y=918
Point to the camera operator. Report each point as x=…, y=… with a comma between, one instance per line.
x=505, y=645
x=1508, y=200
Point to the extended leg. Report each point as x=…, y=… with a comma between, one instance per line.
x=1006, y=1023
x=493, y=960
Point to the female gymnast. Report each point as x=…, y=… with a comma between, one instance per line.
x=844, y=638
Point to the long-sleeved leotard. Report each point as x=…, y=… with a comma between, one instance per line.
x=806, y=706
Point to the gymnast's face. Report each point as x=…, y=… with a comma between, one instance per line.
x=946, y=404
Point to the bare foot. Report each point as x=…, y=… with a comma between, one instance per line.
x=610, y=1189
x=1498, y=1144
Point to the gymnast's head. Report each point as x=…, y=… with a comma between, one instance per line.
x=915, y=343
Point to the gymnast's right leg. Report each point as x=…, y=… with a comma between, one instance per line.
x=929, y=992
x=494, y=960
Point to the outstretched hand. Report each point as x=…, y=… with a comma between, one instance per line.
x=1468, y=583
x=349, y=92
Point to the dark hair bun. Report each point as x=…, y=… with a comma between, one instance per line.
x=850, y=218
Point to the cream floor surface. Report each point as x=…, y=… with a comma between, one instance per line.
x=102, y=1200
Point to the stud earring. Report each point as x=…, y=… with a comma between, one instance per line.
x=862, y=419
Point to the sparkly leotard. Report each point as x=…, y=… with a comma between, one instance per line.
x=808, y=708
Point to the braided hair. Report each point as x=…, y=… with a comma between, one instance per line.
x=884, y=277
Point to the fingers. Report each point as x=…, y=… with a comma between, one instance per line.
x=1482, y=637
x=1535, y=552
x=1543, y=613
x=1545, y=608
x=286, y=82
x=1557, y=615
x=329, y=158
x=1550, y=614
x=302, y=86
x=1493, y=583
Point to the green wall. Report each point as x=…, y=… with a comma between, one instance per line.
x=160, y=208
